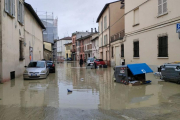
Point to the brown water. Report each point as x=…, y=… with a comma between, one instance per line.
x=96, y=97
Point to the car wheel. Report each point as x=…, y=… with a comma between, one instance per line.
x=178, y=82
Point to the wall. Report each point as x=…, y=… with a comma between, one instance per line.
x=31, y=35
x=74, y=47
x=48, y=46
x=11, y=30
x=104, y=49
x=150, y=27
x=117, y=24
x=33, y=38
x=68, y=51
x=48, y=54
x=149, y=17
x=61, y=47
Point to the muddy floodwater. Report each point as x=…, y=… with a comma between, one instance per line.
x=95, y=96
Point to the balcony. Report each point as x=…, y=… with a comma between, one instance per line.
x=118, y=36
x=73, y=50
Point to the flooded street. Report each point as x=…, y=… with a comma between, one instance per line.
x=96, y=97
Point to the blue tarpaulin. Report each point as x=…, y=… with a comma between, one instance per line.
x=140, y=68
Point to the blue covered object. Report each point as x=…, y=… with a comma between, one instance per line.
x=140, y=68
x=69, y=90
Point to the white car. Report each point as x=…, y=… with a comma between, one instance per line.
x=36, y=70
x=90, y=60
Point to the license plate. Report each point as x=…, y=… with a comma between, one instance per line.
x=33, y=74
x=122, y=71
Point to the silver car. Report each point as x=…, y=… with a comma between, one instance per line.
x=36, y=70
x=90, y=60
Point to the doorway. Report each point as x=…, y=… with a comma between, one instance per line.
x=117, y=56
x=31, y=54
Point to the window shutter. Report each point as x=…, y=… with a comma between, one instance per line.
x=164, y=6
x=6, y=5
x=18, y=11
x=160, y=7
x=13, y=9
x=23, y=13
x=136, y=16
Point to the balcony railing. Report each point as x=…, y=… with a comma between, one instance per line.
x=118, y=36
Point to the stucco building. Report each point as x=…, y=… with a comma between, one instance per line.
x=151, y=33
x=61, y=51
x=76, y=44
x=68, y=47
x=48, y=51
x=107, y=19
x=21, y=38
x=117, y=31
x=73, y=50
x=95, y=45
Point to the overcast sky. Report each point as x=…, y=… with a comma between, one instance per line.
x=73, y=15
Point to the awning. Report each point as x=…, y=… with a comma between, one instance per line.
x=140, y=68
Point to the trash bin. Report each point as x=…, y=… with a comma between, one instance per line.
x=171, y=72
x=132, y=73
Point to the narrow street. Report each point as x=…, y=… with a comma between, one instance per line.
x=96, y=97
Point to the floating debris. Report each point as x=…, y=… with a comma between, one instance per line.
x=70, y=91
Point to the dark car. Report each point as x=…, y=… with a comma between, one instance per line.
x=51, y=66
x=69, y=59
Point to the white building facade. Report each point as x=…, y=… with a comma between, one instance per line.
x=61, y=49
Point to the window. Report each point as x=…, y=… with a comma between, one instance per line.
x=20, y=10
x=136, y=49
x=10, y=7
x=163, y=46
x=105, y=22
x=112, y=52
x=101, y=26
x=136, y=16
x=36, y=64
x=105, y=40
x=162, y=7
x=21, y=57
x=122, y=50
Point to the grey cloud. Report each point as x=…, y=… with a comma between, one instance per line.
x=73, y=15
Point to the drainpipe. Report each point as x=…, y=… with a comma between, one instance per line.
x=109, y=37
x=43, y=41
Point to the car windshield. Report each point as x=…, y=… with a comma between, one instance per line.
x=49, y=64
x=91, y=59
x=36, y=64
x=99, y=60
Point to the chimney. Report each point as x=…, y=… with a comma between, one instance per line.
x=95, y=30
x=91, y=30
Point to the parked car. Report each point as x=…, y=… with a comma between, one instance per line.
x=99, y=62
x=36, y=70
x=51, y=66
x=90, y=60
x=69, y=59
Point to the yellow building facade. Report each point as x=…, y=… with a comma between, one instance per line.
x=68, y=47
